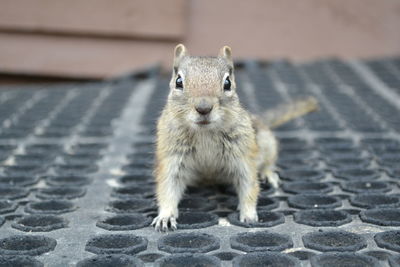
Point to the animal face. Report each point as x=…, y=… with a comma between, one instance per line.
x=203, y=89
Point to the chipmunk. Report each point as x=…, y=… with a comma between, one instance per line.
x=205, y=135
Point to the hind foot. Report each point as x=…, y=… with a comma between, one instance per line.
x=272, y=177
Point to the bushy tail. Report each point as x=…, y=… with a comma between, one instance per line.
x=286, y=112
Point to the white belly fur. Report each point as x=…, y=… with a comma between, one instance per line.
x=210, y=161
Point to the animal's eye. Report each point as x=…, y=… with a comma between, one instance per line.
x=178, y=82
x=227, y=84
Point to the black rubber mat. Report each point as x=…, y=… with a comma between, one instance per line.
x=76, y=184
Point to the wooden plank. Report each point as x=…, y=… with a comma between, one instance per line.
x=131, y=18
x=78, y=57
x=300, y=30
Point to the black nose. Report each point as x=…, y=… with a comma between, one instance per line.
x=204, y=107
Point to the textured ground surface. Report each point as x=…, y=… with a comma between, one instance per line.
x=75, y=174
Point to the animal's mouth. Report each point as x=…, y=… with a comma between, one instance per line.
x=203, y=122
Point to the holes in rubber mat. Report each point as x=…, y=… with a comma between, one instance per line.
x=118, y=260
x=307, y=187
x=19, y=180
x=349, y=163
x=365, y=187
x=31, y=159
x=4, y=155
x=302, y=175
x=45, y=149
x=395, y=173
x=200, y=191
x=389, y=160
x=334, y=241
x=150, y=257
x=134, y=170
x=7, y=148
x=134, y=179
x=263, y=203
x=291, y=154
x=50, y=207
x=189, y=259
x=12, y=192
x=310, y=201
x=67, y=180
x=188, y=242
x=96, y=132
x=378, y=254
x=196, y=220
x=292, y=143
x=335, y=152
x=11, y=133
x=302, y=254
x=357, y=174
x=265, y=259
x=266, y=203
x=86, y=159
x=130, y=205
x=7, y=206
x=88, y=148
x=144, y=143
x=265, y=219
x=261, y=241
x=60, y=192
x=197, y=204
x=136, y=165
x=385, y=217
x=146, y=172
x=40, y=223
x=394, y=261
x=19, y=261
x=334, y=142
x=226, y=256
x=389, y=240
x=266, y=189
x=375, y=201
x=390, y=152
x=26, y=245
x=76, y=169
x=343, y=259
x=381, y=144
x=145, y=158
x=133, y=191
x=124, y=222
x=322, y=217
x=116, y=244
x=54, y=132
x=304, y=149
x=25, y=170
x=297, y=163
x=144, y=148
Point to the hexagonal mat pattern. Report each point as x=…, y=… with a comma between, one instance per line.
x=77, y=186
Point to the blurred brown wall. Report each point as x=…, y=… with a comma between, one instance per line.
x=101, y=38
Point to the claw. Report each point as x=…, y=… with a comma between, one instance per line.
x=173, y=223
x=161, y=223
x=249, y=218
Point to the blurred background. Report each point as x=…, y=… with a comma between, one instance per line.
x=95, y=39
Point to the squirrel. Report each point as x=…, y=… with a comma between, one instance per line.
x=205, y=135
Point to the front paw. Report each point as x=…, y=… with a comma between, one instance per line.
x=163, y=223
x=249, y=217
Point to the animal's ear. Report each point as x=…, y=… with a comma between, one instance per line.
x=226, y=52
x=179, y=52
